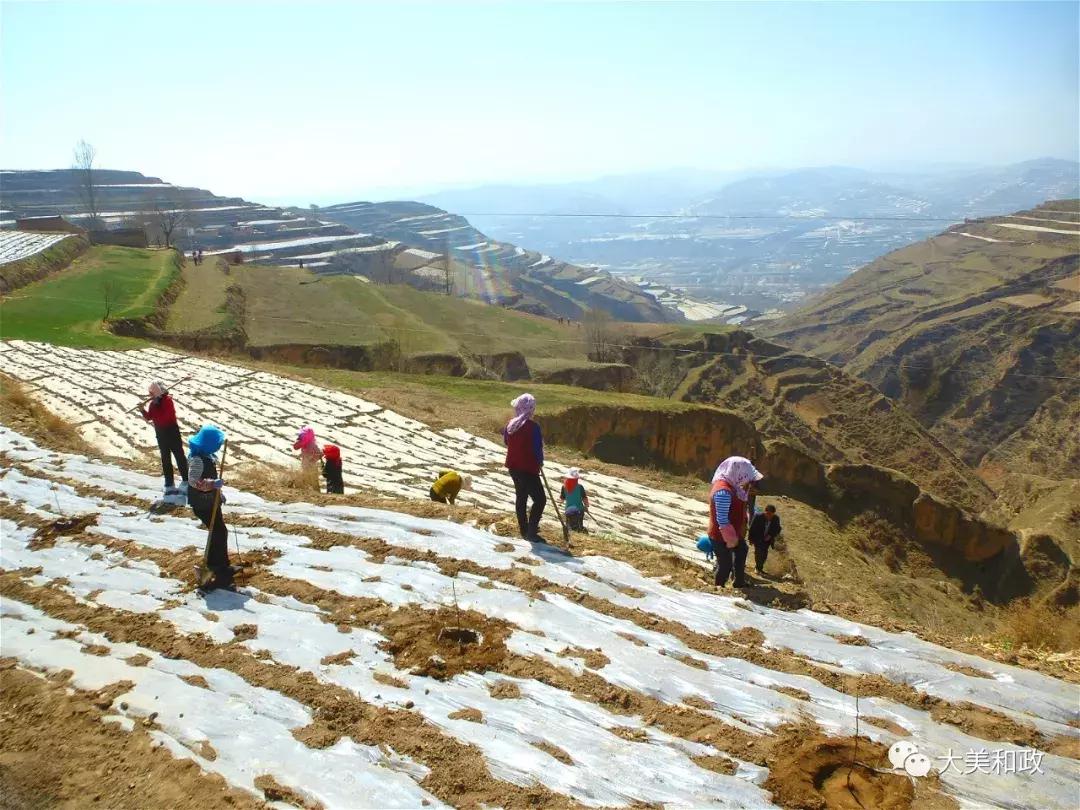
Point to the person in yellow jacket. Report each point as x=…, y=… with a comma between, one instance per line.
x=448, y=485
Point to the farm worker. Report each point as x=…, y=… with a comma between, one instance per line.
x=764, y=529
x=727, y=517
x=332, y=470
x=310, y=453
x=448, y=485
x=525, y=461
x=161, y=411
x=576, y=499
x=206, y=500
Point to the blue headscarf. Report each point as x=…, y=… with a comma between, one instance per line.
x=207, y=441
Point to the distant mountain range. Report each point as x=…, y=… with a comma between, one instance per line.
x=762, y=239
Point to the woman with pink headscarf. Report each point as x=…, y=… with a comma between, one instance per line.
x=310, y=452
x=728, y=501
x=524, y=459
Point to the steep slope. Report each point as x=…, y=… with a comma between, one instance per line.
x=972, y=330
x=976, y=332
x=566, y=289
x=421, y=662
x=823, y=412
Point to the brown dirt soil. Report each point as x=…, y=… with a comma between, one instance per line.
x=810, y=770
x=338, y=658
x=791, y=691
x=888, y=725
x=630, y=733
x=20, y=411
x=274, y=791
x=442, y=643
x=717, y=764
x=989, y=725
x=45, y=536
x=459, y=774
x=555, y=751
x=195, y=680
x=594, y=659
x=389, y=680
x=91, y=762
x=505, y=690
x=470, y=714
x=854, y=641
x=964, y=669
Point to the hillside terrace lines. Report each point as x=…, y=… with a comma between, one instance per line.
x=352, y=571
x=16, y=245
x=613, y=588
x=382, y=450
x=542, y=714
x=205, y=731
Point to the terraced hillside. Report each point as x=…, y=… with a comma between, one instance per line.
x=373, y=242
x=371, y=658
x=976, y=332
x=565, y=289
x=827, y=414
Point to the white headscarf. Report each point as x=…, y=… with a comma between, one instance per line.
x=738, y=472
x=524, y=407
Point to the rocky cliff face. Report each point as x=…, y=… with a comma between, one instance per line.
x=694, y=441
x=825, y=414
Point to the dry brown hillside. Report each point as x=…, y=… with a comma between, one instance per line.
x=975, y=332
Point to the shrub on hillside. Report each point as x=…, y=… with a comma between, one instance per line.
x=1040, y=626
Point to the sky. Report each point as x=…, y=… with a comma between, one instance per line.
x=321, y=102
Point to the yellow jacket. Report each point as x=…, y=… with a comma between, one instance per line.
x=448, y=485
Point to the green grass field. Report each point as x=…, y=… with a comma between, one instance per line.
x=67, y=308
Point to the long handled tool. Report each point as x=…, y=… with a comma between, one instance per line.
x=203, y=570
x=558, y=512
x=142, y=402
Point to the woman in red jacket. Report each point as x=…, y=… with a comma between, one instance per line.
x=524, y=459
x=162, y=413
x=728, y=500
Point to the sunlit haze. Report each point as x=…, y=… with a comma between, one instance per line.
x=324, y=102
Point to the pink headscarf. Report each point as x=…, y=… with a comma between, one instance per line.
x=304, y=439
x=524, y=408
x=738, y=472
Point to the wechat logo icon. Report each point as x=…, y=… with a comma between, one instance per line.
x=905, y=756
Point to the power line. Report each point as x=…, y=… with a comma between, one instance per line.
x=804, y=217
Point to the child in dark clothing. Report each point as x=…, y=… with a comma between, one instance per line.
x=332, y=469
x=764, y=529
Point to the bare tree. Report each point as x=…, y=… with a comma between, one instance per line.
x=167, y=213
x=601, y=336
x=83, y=165
x=448, y=276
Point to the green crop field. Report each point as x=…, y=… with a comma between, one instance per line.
x=68, y=308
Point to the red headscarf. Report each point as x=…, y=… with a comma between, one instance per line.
x=331, y=452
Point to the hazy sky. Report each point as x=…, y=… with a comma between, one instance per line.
x=322, y=102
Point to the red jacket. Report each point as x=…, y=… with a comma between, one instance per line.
x=161, y=412
x=524, y=448
x=736, y=514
